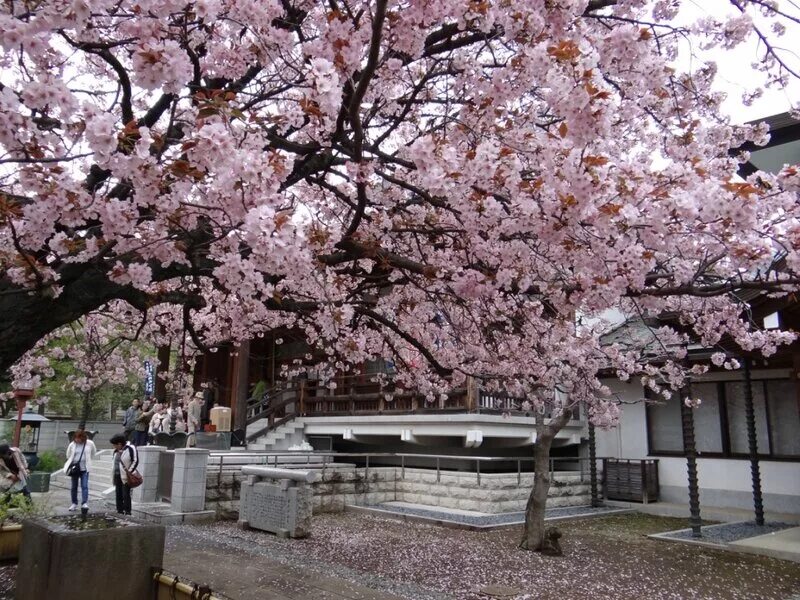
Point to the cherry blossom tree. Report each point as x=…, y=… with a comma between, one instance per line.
x=100, y=350
x=461, y=187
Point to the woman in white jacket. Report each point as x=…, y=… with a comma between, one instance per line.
x=80, y=452
x=126, y=460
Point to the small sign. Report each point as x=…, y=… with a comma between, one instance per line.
x=149, y=378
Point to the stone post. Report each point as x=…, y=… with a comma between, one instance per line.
x=149, y=465
x=189, y=480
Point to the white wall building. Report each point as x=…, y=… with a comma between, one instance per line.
x=654, y=431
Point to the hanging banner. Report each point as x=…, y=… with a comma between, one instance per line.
x=149, y=378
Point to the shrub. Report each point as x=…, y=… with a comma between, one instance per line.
x=49, y=462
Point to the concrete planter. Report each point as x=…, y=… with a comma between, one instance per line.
x=39, y=482
x=10, y=538
x=100, y=555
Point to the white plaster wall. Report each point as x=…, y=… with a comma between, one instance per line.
x=629, y=438
x=723, y=482
x=731, y=474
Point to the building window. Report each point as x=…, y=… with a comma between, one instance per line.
x=737, y=419
x=720, y=423
x=784, y=417
x=664, y=426
x=707, y=430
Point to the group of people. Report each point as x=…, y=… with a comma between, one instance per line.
x=143, y=420
x=81, y=451
x=80, y=454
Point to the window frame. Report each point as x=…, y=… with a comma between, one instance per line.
x=724, y=425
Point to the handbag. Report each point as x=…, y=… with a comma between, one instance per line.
x=74, y=470
x=134, y=478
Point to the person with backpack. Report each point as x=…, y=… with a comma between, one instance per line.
x=80, y=453
x=156, y=425
x=126, y=460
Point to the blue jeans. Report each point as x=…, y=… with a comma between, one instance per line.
x=140, y=438
x=84, y=488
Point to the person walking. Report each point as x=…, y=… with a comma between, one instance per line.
x=129, y=420
x=14, y=470
x=126, y=460
x=80, y=453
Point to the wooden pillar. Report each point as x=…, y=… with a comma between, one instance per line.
x=690, y=451
x=21, y=396
x=472, y=394
x=301, y=398
x=752, y=443
x=241, y=373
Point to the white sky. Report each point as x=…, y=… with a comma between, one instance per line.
x=735, y=73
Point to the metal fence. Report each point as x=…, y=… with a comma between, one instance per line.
x=323, y=460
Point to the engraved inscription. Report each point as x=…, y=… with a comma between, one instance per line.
x=269, y=506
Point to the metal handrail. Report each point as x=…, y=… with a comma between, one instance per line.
x=327, y=459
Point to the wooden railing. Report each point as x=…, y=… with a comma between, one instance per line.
x=360, y=395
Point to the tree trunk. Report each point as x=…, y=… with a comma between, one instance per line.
x=162, y=367
x=85, y=406
x=533, y=533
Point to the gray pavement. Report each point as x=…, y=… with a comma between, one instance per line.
x=232, y=571
x=250, y=575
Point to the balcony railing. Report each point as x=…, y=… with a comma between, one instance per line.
x=360, y=395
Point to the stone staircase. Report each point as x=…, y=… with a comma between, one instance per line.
x=100, y=477
x=281, y=438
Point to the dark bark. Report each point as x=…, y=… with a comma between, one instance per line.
x=28, y=316
x=162, y=366
x=533, y=535
x=86, y=406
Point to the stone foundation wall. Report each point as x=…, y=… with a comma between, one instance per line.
x=342, y=486
x=497, y=492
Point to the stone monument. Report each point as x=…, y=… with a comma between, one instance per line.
x=276, y=500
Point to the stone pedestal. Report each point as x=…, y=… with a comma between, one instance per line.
x=189, y=480
x=149, y=464
x=277, y=500
x=113, y=561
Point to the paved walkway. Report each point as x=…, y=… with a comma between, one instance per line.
x=238, y=574
x=669, y=509
x=783, y=544
x=252, y=576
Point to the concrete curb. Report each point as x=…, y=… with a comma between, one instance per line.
x=468, y=526
x=735, y=546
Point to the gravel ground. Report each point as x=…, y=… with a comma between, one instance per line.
x=496, y=519
x=8, y=574
x=605, y=557
x=246, y=544
x=730, y=532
